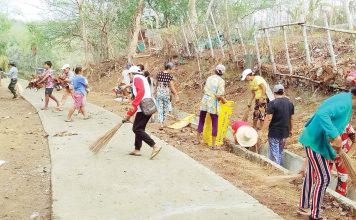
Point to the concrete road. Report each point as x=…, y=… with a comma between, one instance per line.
x=113, y=185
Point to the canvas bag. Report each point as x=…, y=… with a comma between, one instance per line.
x=148, y=106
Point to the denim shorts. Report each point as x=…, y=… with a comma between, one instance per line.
x=48, y=91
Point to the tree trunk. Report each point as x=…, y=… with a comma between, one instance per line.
x=83, y=32
x=193, y=13
x=348, y=14
x=209, y=9
x=136, y=31
x=228, y=32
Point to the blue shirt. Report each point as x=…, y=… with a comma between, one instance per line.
x=12, y=73
x=328, y=122
x=79, y=84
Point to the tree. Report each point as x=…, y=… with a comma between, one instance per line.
x=136, y=31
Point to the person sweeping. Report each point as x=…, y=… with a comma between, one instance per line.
x=322, y=140
x=214, y=92
x=143, y=100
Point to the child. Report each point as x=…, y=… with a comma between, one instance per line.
x=49, y=83
x=79, y=84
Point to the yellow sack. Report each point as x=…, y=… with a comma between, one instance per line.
x=183, y=123
x=223, y=124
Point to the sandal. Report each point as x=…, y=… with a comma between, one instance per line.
x=196, y=142
x=86, y=118
x=305, y=212
x=155, y=152
x=68, y=120
x=134, y=154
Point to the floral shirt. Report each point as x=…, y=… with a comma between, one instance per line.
x=49, y=83
x=215, y=86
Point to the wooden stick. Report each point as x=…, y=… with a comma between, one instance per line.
x=258, y=54
x=331, y=29
x=240, y=37
x=270, y=51
x=209, y=37
x=282, y=25
x=287, y=51
x=229, y=32
x=306, y=46
x=330, y=44
x=217, y=34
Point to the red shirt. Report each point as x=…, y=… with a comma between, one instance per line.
x=237, y=124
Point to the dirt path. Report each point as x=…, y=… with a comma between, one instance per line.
x=283, y=199
x=25, y=177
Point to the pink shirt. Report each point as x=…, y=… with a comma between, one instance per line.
x=49, y=81
x=237, y=124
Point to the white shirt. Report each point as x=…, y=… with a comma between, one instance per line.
x=126, y=77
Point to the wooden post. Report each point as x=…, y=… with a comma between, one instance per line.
x=330, y=43
x=258, y=54
x=306, y=46
x=217, y=34
x=240, y=37
x=210, y=42
x=270, y=51
x=287, y=51
x=185, y=38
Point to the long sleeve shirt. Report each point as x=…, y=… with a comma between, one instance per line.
x=139, y=87
x=328, y=122
x=12, y=74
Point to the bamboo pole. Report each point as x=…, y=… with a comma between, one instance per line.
x=210, y=42
x=306, y=46
x=330, y=44
x=217, y=34
x=331, y=29
x=270, y=51
x=240, y=37
x=185, y=38
x=258, y=54
x=282, y=25
x=287, y=51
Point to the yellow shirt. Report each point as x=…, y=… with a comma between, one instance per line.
x=256, y=88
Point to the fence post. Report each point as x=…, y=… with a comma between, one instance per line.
x=270, y=51
x=258, y=54
x=287, y=51
x=330, y=43
x=306, y=46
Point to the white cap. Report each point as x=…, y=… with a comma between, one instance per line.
x=278, y=87
x=246, y=136
x=65, y=66
x=245, y=73
x=220, y=68
x=135, y=69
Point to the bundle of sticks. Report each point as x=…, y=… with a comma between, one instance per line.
x=33, y=83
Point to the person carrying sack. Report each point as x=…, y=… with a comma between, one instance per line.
x=144, y=106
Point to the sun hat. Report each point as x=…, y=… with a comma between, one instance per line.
x=245, y=73
x=278, y=87
x=135, y=69
x=65, y=66
x=220, y=69
x=246, y=136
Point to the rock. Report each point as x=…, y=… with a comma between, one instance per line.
x=35, y=215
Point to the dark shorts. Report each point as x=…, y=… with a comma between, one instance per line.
x=49, y=91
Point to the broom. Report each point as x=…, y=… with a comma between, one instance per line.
x=105, y=139
x=275, y=180
x=347, y=161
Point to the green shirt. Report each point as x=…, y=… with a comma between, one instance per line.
x=328, y=122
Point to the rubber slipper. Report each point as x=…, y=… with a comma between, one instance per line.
x=68, y=120
x=154, y=154
x=134, y=154
x=217, y=148
x=304, y=212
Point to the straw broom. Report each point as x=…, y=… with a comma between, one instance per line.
x=105, y=139
x=347, y=161
x=275, y=180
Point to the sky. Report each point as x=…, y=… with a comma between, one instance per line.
x=23, y=10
